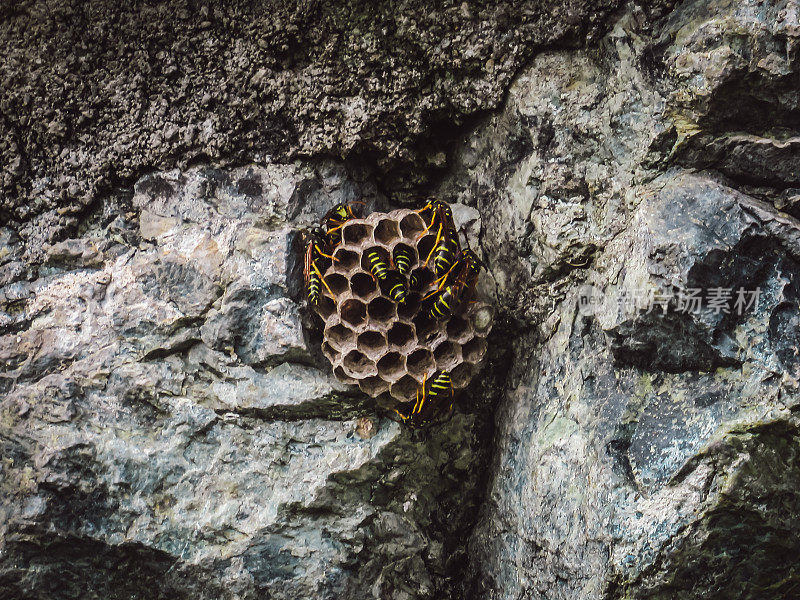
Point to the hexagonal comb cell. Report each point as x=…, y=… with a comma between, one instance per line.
x=356, y=232
x=363, y=285
x=374, y=386
x=458, y=329
x=345, y=260
x=354, y=312
x=357, y=364
x=392, y=366
x=405, y=389
x=339, y=336
x=337, y=282
x=383, y=346
x=387, y=231
x=381, y=309
x=447, y=355
x=411, y=226
x=371, y=343
x=401, y=336
x=420, y=362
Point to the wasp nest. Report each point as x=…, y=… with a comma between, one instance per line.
x=384, y=346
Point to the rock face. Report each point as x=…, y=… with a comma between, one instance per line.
x=168, y=428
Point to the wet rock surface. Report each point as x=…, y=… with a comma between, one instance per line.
x=168, y=426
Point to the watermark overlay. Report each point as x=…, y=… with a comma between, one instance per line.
x=718, y=300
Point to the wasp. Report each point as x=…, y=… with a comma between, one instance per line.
x=446, y=247
x=334, y=220
x=316, y=261
x=450, y=295
x=403, y=258
x=434, y=397
x=377, y=265
x=394, y=286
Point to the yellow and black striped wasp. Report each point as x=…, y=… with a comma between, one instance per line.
x=434, y=398
x=403, y=258
x=446, y=247
x=316, y=261
x=333, y=221
x=454, y=287
x=391, y=281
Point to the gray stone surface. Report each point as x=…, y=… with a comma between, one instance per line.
x=168, y=427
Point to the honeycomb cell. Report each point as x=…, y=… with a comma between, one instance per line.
x=339, y=373
x=357, y=364
x=381, y=310
x=339, y=336
x=392, y=366
x=458, y=329
x=410, y=307
x=344, y=260
x=337, y=282
x=460, y=375
x=447, y=355
x=387, y=231
x=353, y=312
x=405, y=389
x=411, y=226
x=372, y=343
x=401, y=336
x=374, y=386
x=363, y=285
x=420, y=362
x=356, y=232
x=474, y=350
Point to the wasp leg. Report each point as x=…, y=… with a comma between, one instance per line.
x=443, y=279
x=321, y=253
x=420, y=400
x=322, y=279
x=435, y=244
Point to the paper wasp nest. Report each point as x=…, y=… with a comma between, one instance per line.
x=379, y=344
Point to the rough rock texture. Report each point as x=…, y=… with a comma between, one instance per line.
x=168, y=428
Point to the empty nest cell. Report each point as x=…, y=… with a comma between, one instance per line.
x=424, y=247
x=337, y=282
x=401, y=335
x=381, y=310
x=371, y=342
x=374, y=386
x=447, y=355
x=326, y=307
x=405, y=389
x=392, y=366
x=353, y=312
x=344, y=377
x=358, y=364
x=458, y=329
x=420, y=362
x=354, y=233
x=339, y=336
x=345, y=260
x=411, y=226
x=363, y=285
x=387, y=231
